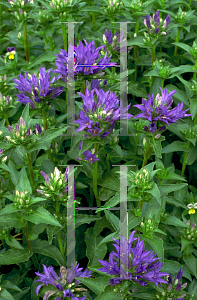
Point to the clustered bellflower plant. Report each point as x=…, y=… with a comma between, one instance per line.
x=41, y=229
x=37, y=90
x=66, y=285
x=100, y=112
x=143, y=266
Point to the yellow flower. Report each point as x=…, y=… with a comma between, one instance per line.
x=192, y=211
x=11, y=56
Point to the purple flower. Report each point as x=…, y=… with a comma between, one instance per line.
x=155, y=23
x=62, y=282
x=112, y=41
x=11, y=49
x=38, y=128
x=89, y=156
x=158, y=109
x=46, y=177
x=84, y=55
x=98, y=117
x=139, y=263
x=35, y=90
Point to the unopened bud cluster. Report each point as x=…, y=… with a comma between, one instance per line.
x=162, y=173
x=141, y=182
x=24, y=5
x=164, y=70
x=136, y=6
x=190, y=233
x=194, y=50
x=181, y=16
x=43, y=17
x=56, y=185
x=54, y=149
x=20, y=14
x=148, y=227
x=114, y=6
x=22, y=135
x=174, y=289
x=6, y=103
x=61, y=7
x=191, y=132
x=22, y=200
x=156, y=27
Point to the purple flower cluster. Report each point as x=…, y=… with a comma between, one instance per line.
x=154, y=23
x=98, y=117
x=37, y=91
x=65, y=283
x=107, y=36
x=84, y=55
x=158, y=109
x=141, y=267
x=88, y=155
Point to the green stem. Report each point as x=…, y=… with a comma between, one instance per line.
x=190, y=2
x=195, y=68
x=50, y=43
x=45, y=38
x=93, y=18
x=146, y=155
x=153, y=53
x=64, y=36
x=6, y=120
x=195, y=120
x=31, y=169
x=162, y=83
x=44, y=119
x=95, y=187
x=185, y=160
x=59, y=233
x=177, y=40
x=27, y=237
x=184, y=251
x=107, y=161
x=25, y=40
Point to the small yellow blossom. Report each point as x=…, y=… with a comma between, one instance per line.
x=192, y=211
x=11, y=56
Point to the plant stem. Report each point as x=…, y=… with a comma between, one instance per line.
x=95, y=188
x=59, y=233
x=195, y=120
x=31, y=169
x=162, y=83
x=25, y=41
x=177, y=40
x=184, y=251
x=107, y=161
x=27, y=237
x=93, y=18
x=44, y=119
x=45, y=38
x=146, y=154
x=185, y=160
x=195, y=68
x=6, y=120
x=64, y=36
x=153, y=53
x=50, y=43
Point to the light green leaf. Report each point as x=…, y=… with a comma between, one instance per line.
x=157, y=245
x=41, y=215
x=155, y=192
x=14, y=256
x=172, y=220
x=113, y=219
x=23, y=183
x=97, y=285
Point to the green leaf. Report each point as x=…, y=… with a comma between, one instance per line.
x=172, y=267
x=191, y=263
x=97, y=285
x=14, y=256
x=108, y=238
x=176, y=202
x=10, y=241
x=9, y=209
x=113, y=201
x=133, y=220
x=93, y=251
x=13, y=172
x=110, y=181
x=23, y=183
x=5, y=295
x=49, y=135
x=116, y=151
x=38, y=199
x=113, y=219
x=183, y=46
x=155, y=192
x=4, y=167
x=174, y=147
x=157, y=147
x=157, y=245
x=85, y=219
x=8, y=285
x=41, y=215
x=12, y=220
x=46, y=56
x=184, y=243
x=172, y=220
x=43, y=247
x=168, y=188
x=109, y=294
x=47, y=166
x=25, y=115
